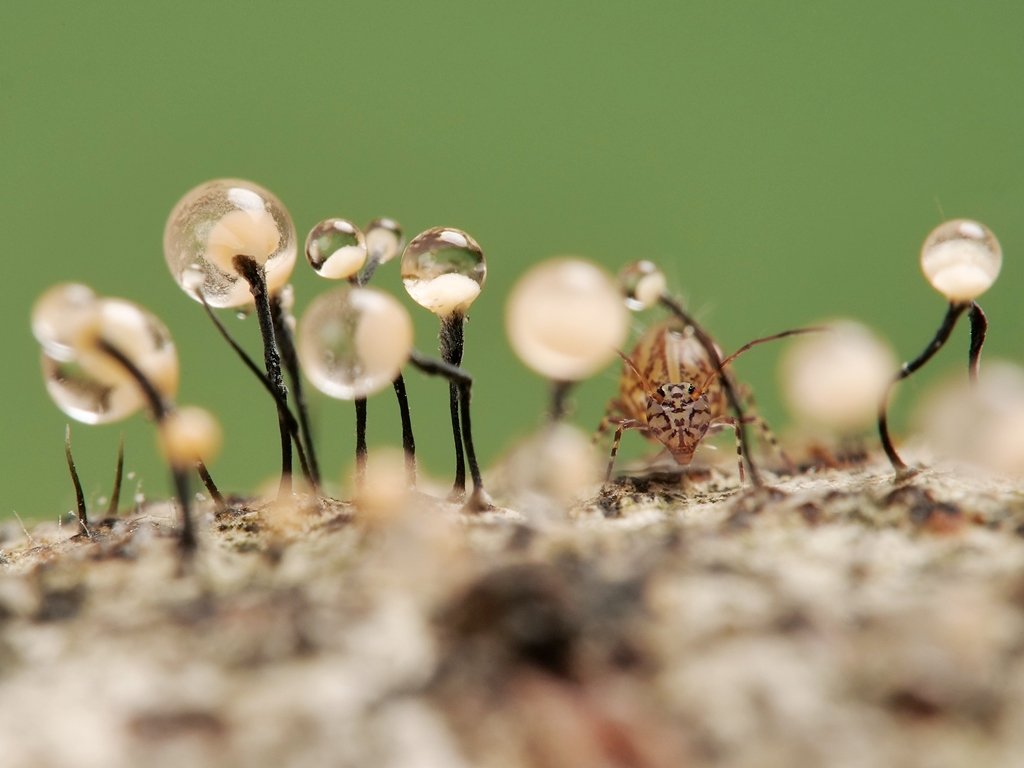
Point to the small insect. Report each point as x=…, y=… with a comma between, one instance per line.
x=671, y=392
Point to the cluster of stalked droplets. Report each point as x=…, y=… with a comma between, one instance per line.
x=231, y=243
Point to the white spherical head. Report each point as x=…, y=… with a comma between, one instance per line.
x=443, y=269
x=565, y=318
x=836, y=378
x=961, y=259
x=353, y=342
x=222, y=219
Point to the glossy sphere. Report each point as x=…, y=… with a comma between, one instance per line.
x=219, y=220
x=642, y=284
x=59, y=315
x=961, y=259
x=336, y=249
x=384, y=239
x=443, y=270
x=837, y=378
x=353, y=342
x=92, y=387
x=565, y=318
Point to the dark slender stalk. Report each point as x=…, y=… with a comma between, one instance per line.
x=286, y=343
x=211, y=487
x=459, y=378
x=257, y=280
x=560, y=399
x=408, y=441
x=293, y=426
x=953, y=313
x=115, y=494
x=730, y=391
x=160, y=410
x=372, y=262
x=360, y=440
x=83, y=515
x=452, y=344
x=979, y=327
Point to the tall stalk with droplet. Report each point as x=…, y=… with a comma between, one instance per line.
x=233, y=242
x=443, y=270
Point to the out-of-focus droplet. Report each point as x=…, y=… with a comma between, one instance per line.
x=140, y=336
x=353, y=341
x=384, y=239
x=85, y=398
x=188, y=435
x=58, y=316
x=836, y=379
x=219, y=220
x=961, y=259
x=336, y=249
x=443, y=269
x=642, y=284
x=565, y=318
x=981, y=424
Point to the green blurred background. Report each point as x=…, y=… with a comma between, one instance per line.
x=783, y=162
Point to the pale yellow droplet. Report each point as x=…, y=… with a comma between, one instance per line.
x=444, y=294
x=190, y=434
x=565, y=319
x=383, y=494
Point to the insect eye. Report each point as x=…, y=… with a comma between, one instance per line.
x=691, y=389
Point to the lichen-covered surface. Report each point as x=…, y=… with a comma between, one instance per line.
x=836, y=619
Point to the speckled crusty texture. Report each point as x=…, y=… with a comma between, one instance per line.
x=834, y=619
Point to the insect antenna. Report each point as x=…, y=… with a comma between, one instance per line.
x=775, y=336
x=648, y=387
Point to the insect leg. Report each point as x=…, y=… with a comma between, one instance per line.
x=623, y=425
x=767, y=434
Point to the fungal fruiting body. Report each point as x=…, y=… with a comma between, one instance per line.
x=230, y=243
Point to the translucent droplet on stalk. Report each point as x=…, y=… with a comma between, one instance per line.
x=140, y=336
x=642, y=284
x=961, y=259
x=384, y=239
x=222, y=219
x=336, y=249
x=837, y=378
x=565, y=318
x=443, y=269
x=59, y=315
x=85, y=398
x=190, y=434
x=353, y=342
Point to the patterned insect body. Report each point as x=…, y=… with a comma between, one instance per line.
x=658, y=390
x=679, y=418
x=672, y=393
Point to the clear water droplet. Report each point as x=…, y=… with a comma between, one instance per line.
x=59, y=315
x=336, y=249
x=353, y=341
x=93, y=387
x=642, y=284
x=443, y=269
x=218, y=220
x=130, y=476
x=85, y=398
x=384, y=239
x=565, y=318
x=961, y=259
